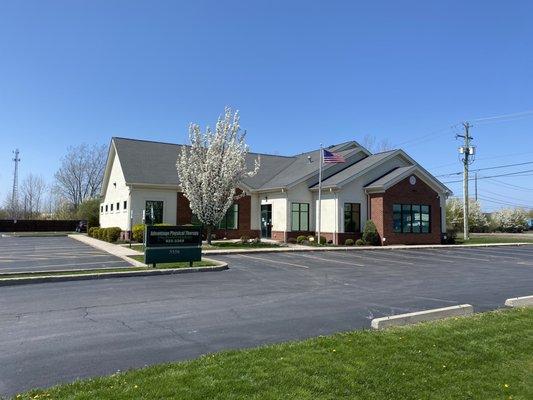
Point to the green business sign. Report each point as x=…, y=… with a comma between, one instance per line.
x=164, y=244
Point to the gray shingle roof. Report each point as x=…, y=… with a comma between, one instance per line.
x=301, y=168
x=147, y=162
x=390, y=177
x=154, y=163
x=355, y=169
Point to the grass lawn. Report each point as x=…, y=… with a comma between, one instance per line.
x=488, y=356
x=202, y=263
x=488, y=239
x=102, y=270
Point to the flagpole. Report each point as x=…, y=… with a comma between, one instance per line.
x=319, y=192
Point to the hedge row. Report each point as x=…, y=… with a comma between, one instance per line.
x=108, y=234
x=137, y=232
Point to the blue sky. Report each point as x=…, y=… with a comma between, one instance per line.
x=301, y=74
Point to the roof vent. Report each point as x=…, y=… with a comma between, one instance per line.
x=309, y=159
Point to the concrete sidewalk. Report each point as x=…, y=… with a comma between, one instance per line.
x=124, y=252
x=116, y=250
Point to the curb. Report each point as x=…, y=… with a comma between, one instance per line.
x=525, y=301
x=358, y=248
x=106, y=275
x=463, y=310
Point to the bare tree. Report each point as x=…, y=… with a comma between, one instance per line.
x=370, y=142
x=32, y=190
x=81, y=173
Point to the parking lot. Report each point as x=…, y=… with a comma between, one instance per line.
x=29, y=254
x=57, y=332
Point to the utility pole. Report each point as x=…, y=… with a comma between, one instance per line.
x=468, y=152
x=14, y=194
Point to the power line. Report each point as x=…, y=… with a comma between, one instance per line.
x=486, y=168
x=510, y=185
x=503, y=196
x=497, y=118
x=495, y=176
x=505, y=203
x=484, y=158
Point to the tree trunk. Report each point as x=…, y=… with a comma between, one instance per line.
x=208, y=234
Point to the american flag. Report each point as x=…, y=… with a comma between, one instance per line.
x=332, y=158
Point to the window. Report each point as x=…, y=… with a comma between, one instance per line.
x=125, y=206
x=352, y=217
x=106, y=208
x=300, y=217
x=111, y=207
x=231, y=219
x=118, y=205
x=101, y=208
x=411, y=218
x=154, y=212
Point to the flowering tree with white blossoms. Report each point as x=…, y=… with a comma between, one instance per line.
x=211, y=168
x=454, y=215
x=510, y=220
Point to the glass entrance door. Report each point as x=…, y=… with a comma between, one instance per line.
x=266, y=221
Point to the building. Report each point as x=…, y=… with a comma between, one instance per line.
x=406, y=202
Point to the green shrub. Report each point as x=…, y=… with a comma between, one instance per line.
x=370, y=234
x=301, y=239
x=244, y=239
x=98, y=233
x=92, y=231
x=359, y=242
x=137, y=233
x=451, y=236
x=348, y=242
x=323, y=240
x=112, y=234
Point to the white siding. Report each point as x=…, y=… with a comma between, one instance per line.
x=169, y=197
x=116, y=192
x=255, y=210
x=328, y=212
x=301, y=194
x=278, y=200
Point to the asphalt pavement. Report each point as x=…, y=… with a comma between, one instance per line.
x=56, y=332
x=30, y=254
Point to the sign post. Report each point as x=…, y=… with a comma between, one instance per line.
x=165, y=244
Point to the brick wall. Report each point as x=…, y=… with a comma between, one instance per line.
x=405, y=193
x=184, y=216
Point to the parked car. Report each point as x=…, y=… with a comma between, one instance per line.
x=82, y=226
x=530, y=223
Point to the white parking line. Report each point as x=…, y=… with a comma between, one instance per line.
x=272, y=261
x=373, y=258
x=440, y=254
x=420, y=256
x=328, y=260
x=490, y=253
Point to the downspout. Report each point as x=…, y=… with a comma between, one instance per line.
x=337, y=216
x=287, y=215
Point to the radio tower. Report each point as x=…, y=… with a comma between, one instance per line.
x=14, y=195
